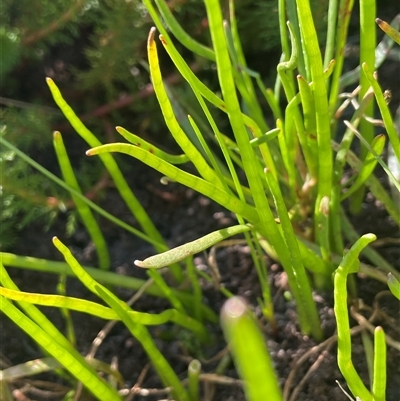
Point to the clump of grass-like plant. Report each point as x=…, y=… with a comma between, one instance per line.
x=290, y=205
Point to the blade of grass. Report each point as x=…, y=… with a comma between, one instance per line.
x=78, y=367
x=190, y=248
x=110, y=164
x=191, y=272
x=194, y=370
x=37, y=317
x=390, y=31
x=82, y=372
x=109, y=278
x=138, y=141
x=180, y=34
x=325, y=165
x=343, y=20
x=370, y=162
x=349, y=264
x=267, y=226
x=249, y=352
x=243, y=70
x=69, y=324
x=308, y=140
x=102, y=312
x=29, y=368
x=77, y=194
x=370, y=253
x=331, y=33
x=385, y=112
x=180, y=137
x=369, y=354
x=308, y=315
x=367, y=56
x=199, y=86
x=138, y=331
x=206, y=188
x=380, y=368
x=293, y=16
x=160, y=364
x=340, y=161
x=83, y=209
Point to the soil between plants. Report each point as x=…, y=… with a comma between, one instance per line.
x=182, y=215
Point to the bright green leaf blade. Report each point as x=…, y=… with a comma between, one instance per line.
x=164, y=370
x=249, y=351
x=349, y=264
x=368, y=165
x=190, y=248
x=181, y=35
x=380, y=367
x=138, y=141
x=199, y=86
x=102, y=312
x=298, y=280
x=206, y=188
x=384, y=109
x=83, y=209
x=110, y=164
x=113, y=279
x=169, y=116
x=82, y=371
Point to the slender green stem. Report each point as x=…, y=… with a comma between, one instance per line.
x=194, y=370
x=343, y=20
x=331, y=34
x=108, y=278
x=249, y=351
x=77, y=194
x=380, y=368
x=308, y=315
x=367, y=56
x=140, y=332
x=180, y=34
x=83, y=209
x=102, y=312
x=349, y=264
x=110, y=164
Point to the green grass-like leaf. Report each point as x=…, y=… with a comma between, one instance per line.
x=350, y=264
x=249, y=351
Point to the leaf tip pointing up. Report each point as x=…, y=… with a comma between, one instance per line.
x=150, y=39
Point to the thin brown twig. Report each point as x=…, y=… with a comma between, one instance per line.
x=371, y=328
x=138, y=384
x=102, y=334
x=310, y=371
x=317, y=348
x=125, y=101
